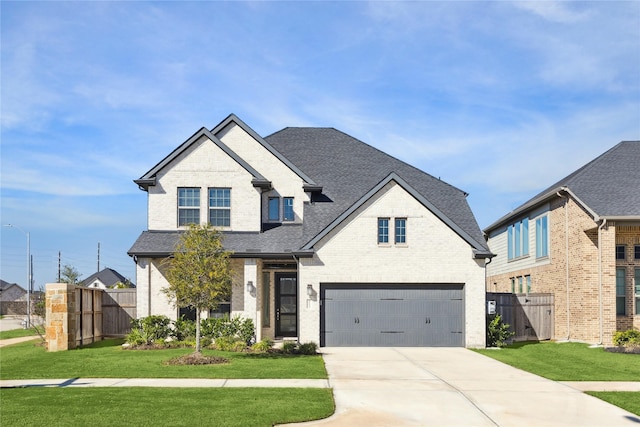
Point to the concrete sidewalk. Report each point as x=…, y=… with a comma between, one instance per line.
x=11, y=341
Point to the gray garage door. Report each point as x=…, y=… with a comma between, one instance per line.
x=366, y=315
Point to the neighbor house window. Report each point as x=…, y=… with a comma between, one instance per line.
x=528, y=280
x=519, y=284
x=287, y=209
x=621, y=276
x=383, y=230
x=637, y=289
x=518, y=239
x=274, y=209
x=621, y=252
x=401, y=230
x=513, y=285
x=636, y=252
x=542, y=237
x=220, y=207
x=188, y=206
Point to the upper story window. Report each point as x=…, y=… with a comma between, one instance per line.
x=401, y=230
x=188, y=206
x=383, y=230
x=636, y=252
x=542, y=237
x=274, y=209
x=621, y=252
x=287, y=209
x=518, y=239
x=220, y=207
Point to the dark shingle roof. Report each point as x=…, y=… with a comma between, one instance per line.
x=107, y=276
x=348, y=168
x=609, y=185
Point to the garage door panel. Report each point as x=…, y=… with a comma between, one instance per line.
x=392, y=315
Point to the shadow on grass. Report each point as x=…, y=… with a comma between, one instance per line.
x=111, y=342
x=276, y=355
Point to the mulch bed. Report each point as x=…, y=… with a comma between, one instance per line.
x=197, y=359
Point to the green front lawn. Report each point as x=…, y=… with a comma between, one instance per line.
x=627, y=400
x=141, y=406
x=107, y=359
x=569, y=361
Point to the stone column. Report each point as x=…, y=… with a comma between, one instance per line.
x=61, y=319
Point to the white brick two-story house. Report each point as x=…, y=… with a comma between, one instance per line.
x=333, y=241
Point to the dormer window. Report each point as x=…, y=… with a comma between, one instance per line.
x=274, y=209
x=188, y=206
x=287, y=210
x=220, y=207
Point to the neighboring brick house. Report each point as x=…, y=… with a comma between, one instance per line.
x=12, y=292
x=580, y=240
x=105, y=279
x=333, y=241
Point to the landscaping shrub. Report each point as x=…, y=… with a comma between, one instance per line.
x=263, y=346
x=229, y=344
x=497, y=332
x=628, y=338
x=148, y=330
x=289, y=347
x=238, y=327
x=183, y=329
x=308, y=348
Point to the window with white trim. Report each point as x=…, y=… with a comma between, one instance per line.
x=220, y=207
x=383, y=230
x=188, y=206
x=518, y=239
x=401, y=230
x=542, y=237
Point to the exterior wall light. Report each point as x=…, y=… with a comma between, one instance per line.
x=250, y=287
x=310, y=290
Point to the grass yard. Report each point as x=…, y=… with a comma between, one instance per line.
x=569, y=361
x=629, y=401
x=17, y=333
x=107, y=359
x=141, y=406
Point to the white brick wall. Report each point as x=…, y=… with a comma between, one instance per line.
x=204, y=165
x=433, y=254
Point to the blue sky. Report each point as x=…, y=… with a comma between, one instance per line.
x=499, y=99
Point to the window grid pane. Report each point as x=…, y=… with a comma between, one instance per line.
x=220, y=217
x=383, y=230
x=401, y=230
x=220, y=207
x=636, y=251
x=188, y=206
x=542, y=244
x=620, y=252
x=288, y=209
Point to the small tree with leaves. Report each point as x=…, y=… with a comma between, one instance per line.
x=199, y=274
x=70, y=275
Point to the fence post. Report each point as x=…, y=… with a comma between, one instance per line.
x=61, y=319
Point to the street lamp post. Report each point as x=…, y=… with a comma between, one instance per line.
x=29, y=279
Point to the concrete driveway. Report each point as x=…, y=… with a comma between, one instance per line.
x=452, y=387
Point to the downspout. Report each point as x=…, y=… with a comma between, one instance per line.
x=600, y=227
x=298, y=290
x=566, y=258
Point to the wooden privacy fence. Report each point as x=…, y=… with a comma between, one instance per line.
x=77, y=316
x=529, y=316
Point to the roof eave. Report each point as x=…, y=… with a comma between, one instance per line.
x=145, y=183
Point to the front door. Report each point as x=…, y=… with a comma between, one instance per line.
x=286, y=305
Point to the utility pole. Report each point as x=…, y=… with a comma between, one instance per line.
x=98, y=258
x=59, y=256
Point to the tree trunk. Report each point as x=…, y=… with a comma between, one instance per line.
x=198, y=348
